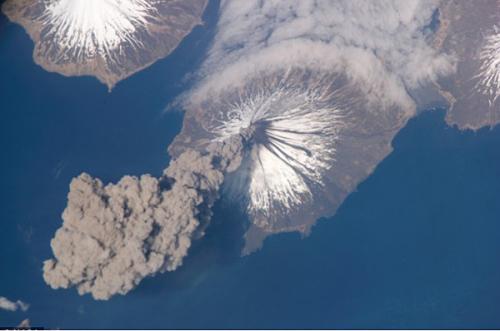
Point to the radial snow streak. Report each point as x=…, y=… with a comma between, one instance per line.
x=87, y=27
x=107, y=39
x=295, y=130
x=489, y=77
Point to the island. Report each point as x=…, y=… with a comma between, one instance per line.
x=108, y=39
x=470, y=31
x=315, y=137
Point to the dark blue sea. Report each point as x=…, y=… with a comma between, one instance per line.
x=416, y=246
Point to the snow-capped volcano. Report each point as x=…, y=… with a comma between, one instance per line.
x=311, y=137
x=87, y=28
x=109, y=39
x=489, y=83
x=295, y=129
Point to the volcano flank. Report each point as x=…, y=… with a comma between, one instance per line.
x=108, y=39
x=314, y=137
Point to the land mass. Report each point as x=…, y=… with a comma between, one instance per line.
x=468, y=30
x=364, y=140
x=108, y=40
x=363, y=136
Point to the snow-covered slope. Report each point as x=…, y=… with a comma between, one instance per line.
x=88, y=28
x=295, y=129
x=489, y=83
x=109, y=39
x=314, y=136
x=472, y=34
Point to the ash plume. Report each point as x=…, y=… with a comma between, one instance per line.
x=115, y=235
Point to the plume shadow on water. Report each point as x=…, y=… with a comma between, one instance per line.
x=221, y=245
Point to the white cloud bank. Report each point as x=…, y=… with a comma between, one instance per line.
x=9, y=305
x=381, y=45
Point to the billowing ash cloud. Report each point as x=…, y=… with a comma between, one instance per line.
x=9, y=305
x=115, y=235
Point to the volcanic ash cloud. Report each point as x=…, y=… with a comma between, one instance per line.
x=115, y=235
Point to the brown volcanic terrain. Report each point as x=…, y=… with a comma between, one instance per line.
x=465, y=26
x=149, y=34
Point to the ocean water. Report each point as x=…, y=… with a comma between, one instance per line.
x=416, y=246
